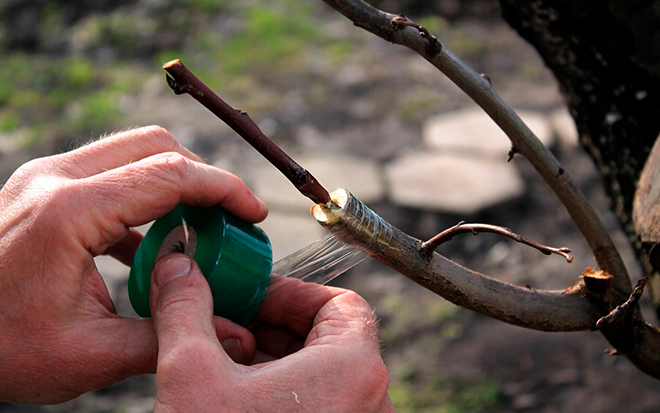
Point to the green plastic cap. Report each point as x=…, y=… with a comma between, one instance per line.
x=234, y=256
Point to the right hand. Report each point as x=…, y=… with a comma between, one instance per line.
x=319, y=348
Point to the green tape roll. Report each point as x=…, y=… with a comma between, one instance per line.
x=234, y=256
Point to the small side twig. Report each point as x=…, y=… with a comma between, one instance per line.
x=462, y=228
x=622, y=314
x=512, y=152
x=182, y=80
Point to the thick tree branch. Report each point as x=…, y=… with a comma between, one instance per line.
x=641, y=342
x=576, y=308
x=390, y=27
x=464, y=228
x=182, y=80
x=355, y=224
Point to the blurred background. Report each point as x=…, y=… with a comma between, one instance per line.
x=359, y=113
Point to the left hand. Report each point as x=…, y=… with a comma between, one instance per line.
x=59, y=333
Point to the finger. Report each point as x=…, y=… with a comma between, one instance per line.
x=237, y=341
x=120, y=149
x=114, y=348
x=125, y=250
x=277, y=342
x=182, y=310
x=345, y=317
x=140, y=192
x=106, y=350
x=293, y=304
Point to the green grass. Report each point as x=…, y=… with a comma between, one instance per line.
x=268, y=45
x=273, y=38
x=400, y=316
x=50, y=97
x=446, y=396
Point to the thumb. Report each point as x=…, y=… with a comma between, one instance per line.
x=182, y=309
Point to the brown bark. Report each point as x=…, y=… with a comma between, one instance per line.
x=578, y=307
x=605, y=55
x=638, y=340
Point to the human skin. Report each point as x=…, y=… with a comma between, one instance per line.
x=61, y=335
x=318, y=344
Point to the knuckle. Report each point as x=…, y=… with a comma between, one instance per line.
x=29, y=170
x=361, y=312
x=160, y=138
x=31, y=167
x=170, y=167
x=59, y=199
x=354, y=299
x=52, y=203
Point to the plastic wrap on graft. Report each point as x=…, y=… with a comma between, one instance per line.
x=331, y=256
x=352, y=221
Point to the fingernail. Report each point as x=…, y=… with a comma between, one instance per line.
x=170, y=269
x=233, y=349
x=263, y=205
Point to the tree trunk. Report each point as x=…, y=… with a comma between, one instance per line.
x=605, y=55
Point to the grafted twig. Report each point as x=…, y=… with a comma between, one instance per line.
x=182, y=80
x=462, y=228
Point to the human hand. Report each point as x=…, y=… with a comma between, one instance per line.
x=320, y=342
x=59, y=333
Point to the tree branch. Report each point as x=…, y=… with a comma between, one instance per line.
x=182, y=80
x=576, y=308
x=463, y=228
x=355, y=224
x=623, y=314
x=641, y=343
x=391, y=28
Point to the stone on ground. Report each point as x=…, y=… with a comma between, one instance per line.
x=452, y=183
x=473, y=131
x=564, y=127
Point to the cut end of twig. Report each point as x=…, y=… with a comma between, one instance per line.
x=597, y=282
x=175, y=62
x=329, y=213
x=175, y=68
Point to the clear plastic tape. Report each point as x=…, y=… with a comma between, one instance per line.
x=319, y=262
x=329, y=257
x=363, y=224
